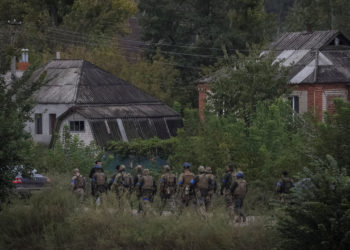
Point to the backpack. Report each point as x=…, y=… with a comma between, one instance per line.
x=147, y=182
x=170, y=180
x=79, y=182
x=126, y=180
x=188, y=176
x=203, y=181
x=286, y=185
x=241, y=189
x=100, y=178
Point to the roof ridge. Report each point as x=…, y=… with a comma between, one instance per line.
x=79, y=82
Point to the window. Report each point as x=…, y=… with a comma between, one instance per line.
x=38, y=124
x=52, y=123
x=76, y=126
x=294, y=102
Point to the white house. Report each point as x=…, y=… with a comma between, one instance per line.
x=95, y=105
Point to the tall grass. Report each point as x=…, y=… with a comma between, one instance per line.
x=54, y=219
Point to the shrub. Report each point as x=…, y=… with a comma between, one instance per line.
x=318, y=216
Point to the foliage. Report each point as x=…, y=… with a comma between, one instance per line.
x=197, y=33
x=320, y=15
x=157, y=77
x=273, y=142
x=317, y=216
x=16, y=105
x=243, y=82
x=332, y=137
x=68, y=153
x=144, y=148
x=54, y=218
x=40, y=18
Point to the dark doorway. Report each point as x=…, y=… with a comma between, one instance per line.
x=52, y=123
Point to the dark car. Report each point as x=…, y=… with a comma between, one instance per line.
x=26, y=184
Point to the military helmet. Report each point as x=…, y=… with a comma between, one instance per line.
x=187, y=165
x=240, y=174
x=146, y=171
x=208, y=170
x=166, y=168
x=201, y=169
x=122, y=168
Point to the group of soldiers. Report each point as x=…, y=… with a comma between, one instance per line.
x=176, y=193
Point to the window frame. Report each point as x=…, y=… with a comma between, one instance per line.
x=76, y=126
x=38, y=123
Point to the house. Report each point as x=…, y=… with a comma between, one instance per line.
x=319, y=64
x=96, y=106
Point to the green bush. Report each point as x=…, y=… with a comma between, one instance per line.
x=318, y=213
x=67, y=153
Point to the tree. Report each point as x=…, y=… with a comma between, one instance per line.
x=45, y=21
x=320, y=15
x=244, y=81
x=15, y=148
x=196, y=33
x=332, y=137
x=317, y=216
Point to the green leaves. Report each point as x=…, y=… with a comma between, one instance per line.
x=316, y=216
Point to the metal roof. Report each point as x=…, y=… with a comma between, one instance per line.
x=126, y=111
x=81, y=82
x=314, y=57
x=114, y=108
x=304, y=40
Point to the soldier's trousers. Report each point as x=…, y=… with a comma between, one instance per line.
x=203, y=198
x=79, y=193
x=147, y=198
x=168, y=202
x=238, y=202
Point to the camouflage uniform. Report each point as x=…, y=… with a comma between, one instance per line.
x=137, y=181
x=148, y=188
x=168, y=189
x=123, y=183
x=239, y=191
x=202, y=185
x=78, y=184
x=213, y=187
x=99, y=181
x=227, y=180
x=186, y=192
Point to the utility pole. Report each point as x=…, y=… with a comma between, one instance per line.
x=14, y=24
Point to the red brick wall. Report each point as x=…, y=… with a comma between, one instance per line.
x=314, y=96
x=22, y=66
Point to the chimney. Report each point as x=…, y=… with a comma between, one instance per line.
x=309, y=28
x=24, y=62
x=58, y=55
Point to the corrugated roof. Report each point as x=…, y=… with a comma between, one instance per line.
x=126, y=111
x=304, y=40
x=81, y=82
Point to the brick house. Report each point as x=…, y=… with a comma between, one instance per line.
x=319, y=64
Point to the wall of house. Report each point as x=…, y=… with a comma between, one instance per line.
x=316, y=98
x=302, y=100
x=45, y=110
x=320, y=96
x=86, y=136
